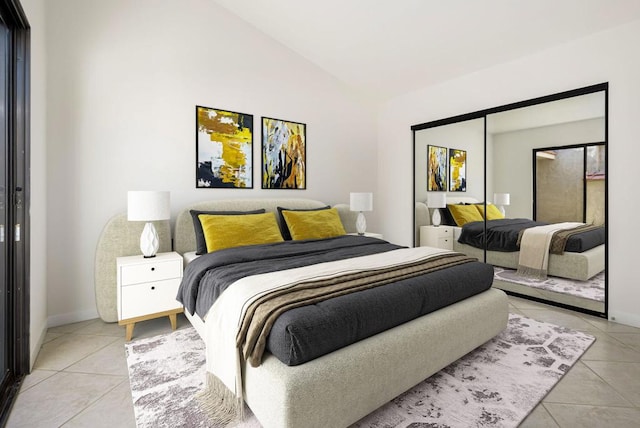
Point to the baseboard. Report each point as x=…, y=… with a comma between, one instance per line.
x=71, y=317
x=35, y=346
x=632, y=320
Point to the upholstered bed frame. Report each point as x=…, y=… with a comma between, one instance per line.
x=339, y=388
x=580, y=266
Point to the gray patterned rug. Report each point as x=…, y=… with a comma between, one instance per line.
x=496, y=385
x=592, y=289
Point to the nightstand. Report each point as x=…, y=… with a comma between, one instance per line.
x=147, y=289
x=369, y=234
x=439, y=237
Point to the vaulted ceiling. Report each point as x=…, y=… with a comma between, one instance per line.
x=383, y=48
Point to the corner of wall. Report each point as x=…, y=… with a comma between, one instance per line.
x=71, y=317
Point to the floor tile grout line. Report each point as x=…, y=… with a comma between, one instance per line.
x=39, y=382
x=632, y=404
x=551, y=415
x=90, y=354
x=90, y=404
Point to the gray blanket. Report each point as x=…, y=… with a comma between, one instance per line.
x=304, y=333
x=209, y=275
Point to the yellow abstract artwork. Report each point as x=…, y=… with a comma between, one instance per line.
x=457, y=170
x=284, y=160
x=224, y=149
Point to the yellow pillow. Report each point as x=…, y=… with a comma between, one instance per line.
x=226, y=231
x=314, y=224
x=493, y=213
x=464, y=213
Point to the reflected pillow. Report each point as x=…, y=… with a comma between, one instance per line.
x=493, y=213
x=463, y=214
x=228, y=231
x=446, y=219
x=201, y=244
x=319, y=224
x=283, y=223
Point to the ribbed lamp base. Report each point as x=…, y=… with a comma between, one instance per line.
x=361, y=224
x=149, y=241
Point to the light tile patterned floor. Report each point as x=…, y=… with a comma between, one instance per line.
x=80, y=377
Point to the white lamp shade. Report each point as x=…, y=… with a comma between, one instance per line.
x=437, y=200
x=361, y=202
x=148, y=205
x=501, y=198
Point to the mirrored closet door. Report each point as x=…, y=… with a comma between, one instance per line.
x=543, y=163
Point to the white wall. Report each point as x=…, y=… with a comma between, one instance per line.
x=124, y=78
x=35, y=11
x=608, y=56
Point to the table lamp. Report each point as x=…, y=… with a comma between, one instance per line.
x=436, y=200
x=361, y=202
x=148, y=206
x=501, y=200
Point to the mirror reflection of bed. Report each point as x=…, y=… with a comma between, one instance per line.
x=545, y=163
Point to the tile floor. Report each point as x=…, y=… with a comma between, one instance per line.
x=80, y=376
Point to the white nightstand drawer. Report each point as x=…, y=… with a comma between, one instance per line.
x=443, y=232
x=445, y=243
x=150, y=271
x=149, y=298
x=439, y=237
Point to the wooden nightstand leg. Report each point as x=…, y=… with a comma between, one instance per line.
x=129, y=331
x=174, y=321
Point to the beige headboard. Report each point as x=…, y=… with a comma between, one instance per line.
x=184, y=238
x=119, y=238
x=423, y=213
x=122, y=238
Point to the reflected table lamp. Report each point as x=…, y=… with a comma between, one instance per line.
x=501, y=200
x=148, y=206
x=436, y=200
x=361, y=202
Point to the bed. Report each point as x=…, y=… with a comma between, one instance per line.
x=342, y=386
x=581, y=265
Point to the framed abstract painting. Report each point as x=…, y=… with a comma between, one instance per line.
x=457, y=170
x=284, y=154
x=224, y=149
x=436, y=168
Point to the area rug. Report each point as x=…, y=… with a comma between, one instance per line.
x=496, y=385
x=592, y=289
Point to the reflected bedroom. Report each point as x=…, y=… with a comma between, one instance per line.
x=535, y=195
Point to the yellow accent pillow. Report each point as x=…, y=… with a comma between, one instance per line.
x=314, y=224
x=493, y=213
x=464, y=213
x=227, y=231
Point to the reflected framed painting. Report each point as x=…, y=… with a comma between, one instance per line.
x=224, y=149
x=457, y=170
x=436, y=168
x=284, y=154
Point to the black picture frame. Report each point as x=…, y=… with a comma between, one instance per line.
x=457, y=170
x=224, y=149
x=437, y=168
x=284, y=154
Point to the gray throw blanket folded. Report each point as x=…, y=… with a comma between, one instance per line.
x=263, y=312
